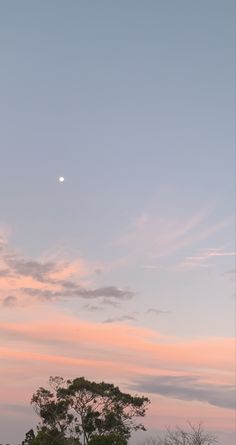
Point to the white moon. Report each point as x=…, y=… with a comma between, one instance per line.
x=61, y=179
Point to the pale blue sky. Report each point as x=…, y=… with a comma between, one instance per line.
x=123, y=98
x=133, y=103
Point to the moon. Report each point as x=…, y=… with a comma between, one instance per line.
x=61, y=179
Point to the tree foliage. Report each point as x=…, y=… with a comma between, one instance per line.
x=85, y=411
x=48, y=436
x=110, y=439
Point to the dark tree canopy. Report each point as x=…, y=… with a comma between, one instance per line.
x=79, y=411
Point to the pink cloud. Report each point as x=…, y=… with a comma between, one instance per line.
x=103, y=341
x=33, y=350
x=151, y=237
x=203, y=256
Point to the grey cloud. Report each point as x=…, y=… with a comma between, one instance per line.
x=157, y=311
x=4, y=273
x=43, y=294
x=109, y=302
x=189, y=388
x=92, y=307
x=120, y=319
x=110, y=292
x=38, y=271
x=68, y=284
x=9, y=301
x=18, y=266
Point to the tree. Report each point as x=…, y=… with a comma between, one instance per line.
x=82, y=410
x=110, y=439
x=29, y=438
x=46, y=436
x=195, y=435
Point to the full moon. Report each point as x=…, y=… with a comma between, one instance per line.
x=61, y=179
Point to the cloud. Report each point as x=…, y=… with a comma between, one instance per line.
x=109, y=292
x=121, y=319
x=144, y=346
x=9, y=301
x=167, y=234
x=203, y=256
x=109, y=302
x=4, y=273
x=157, y=311
x=32, y=280
x=154, y=241
x=189, y=388
x=92, y=307
x=34, y=269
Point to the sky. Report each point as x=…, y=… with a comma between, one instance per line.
x=125, y=272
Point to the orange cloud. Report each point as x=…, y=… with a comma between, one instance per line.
x=125, y=344
x=33, y=350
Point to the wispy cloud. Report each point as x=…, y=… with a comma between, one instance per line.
x=155, y=350
x=205, y=258
x=151, y=238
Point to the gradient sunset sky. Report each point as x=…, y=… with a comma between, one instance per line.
x=125, y=272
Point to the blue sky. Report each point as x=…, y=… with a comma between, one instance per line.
x=134, y=104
